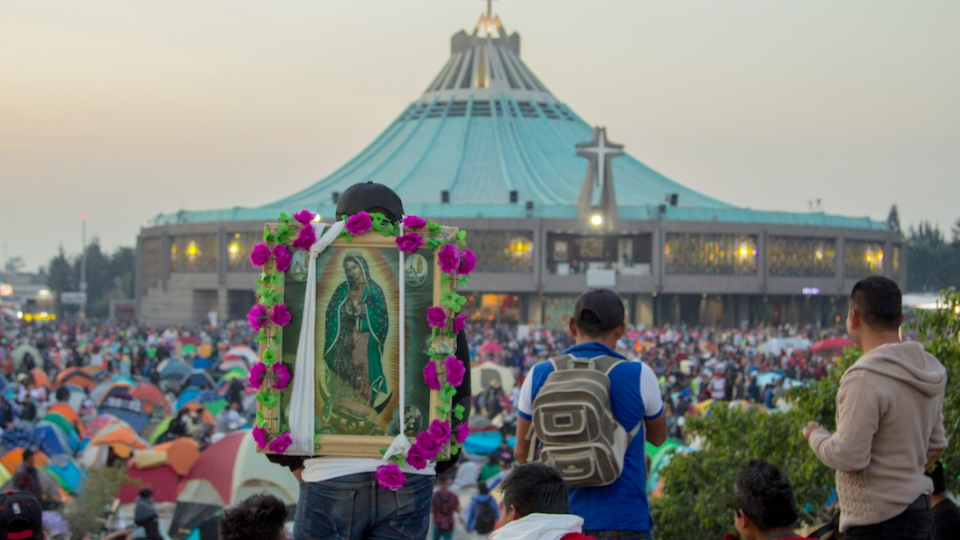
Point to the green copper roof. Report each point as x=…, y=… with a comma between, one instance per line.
x=487, y=126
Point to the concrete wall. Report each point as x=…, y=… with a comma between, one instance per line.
x=186, y=297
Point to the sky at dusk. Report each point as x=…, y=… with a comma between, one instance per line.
x=124, y=110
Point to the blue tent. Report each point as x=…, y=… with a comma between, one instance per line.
x=137, y=419
x=55, y=441
x=21, y=438
x=185, y=397
x=202, y=363
x=175, y=369
x=68, y=470
x=198, y=378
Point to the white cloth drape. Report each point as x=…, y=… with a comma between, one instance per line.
x=302, y=401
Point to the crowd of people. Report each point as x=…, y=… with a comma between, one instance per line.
x=587, y=400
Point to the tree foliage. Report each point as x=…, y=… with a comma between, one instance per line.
x=99, y=490
x=939, y=330
x=697, y=487
x=108, y=276
x=932, y=263
x=893, y=219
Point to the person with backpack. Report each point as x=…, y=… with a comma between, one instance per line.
x=444, y=507
x=592, y=410
x=482, y=513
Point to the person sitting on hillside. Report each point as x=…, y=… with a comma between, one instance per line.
x=260, y=516
x=763, y=503
x=536, y=506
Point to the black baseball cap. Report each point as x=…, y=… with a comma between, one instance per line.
x=21, y=517
x=598, y=310
x=366, y=196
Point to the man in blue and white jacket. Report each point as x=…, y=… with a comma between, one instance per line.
x=619, y=510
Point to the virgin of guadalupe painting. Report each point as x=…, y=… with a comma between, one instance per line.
x=356, y=326
x=357, y=340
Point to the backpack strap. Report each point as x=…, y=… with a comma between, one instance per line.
x=602, y=363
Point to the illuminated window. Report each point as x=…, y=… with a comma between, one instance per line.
x=863, y=259
x=502, y=251
x=802, y=257
x=699, y=253
x=194, y=253
x=239, y=246
x=895, y=261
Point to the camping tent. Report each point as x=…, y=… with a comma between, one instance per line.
x=181, y=453
x=68, y=471
x=162, y=480
x=20, y=352
x=198, y=378
x=242, y=352
x=228, y=471
x=77, y=377
x=480, y=377
x=150, y=397
x=55, y=441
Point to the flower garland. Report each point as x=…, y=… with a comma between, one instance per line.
x=443, y=373
x=270, y=376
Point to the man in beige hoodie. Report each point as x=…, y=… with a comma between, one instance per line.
x=889, y=422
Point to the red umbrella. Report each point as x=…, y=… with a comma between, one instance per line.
x=832, y=344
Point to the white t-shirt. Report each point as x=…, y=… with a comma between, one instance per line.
x=327, y=468
x=718, y=389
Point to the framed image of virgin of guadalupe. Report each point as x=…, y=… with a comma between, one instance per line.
x=356, y=325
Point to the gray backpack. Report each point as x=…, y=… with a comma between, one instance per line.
x=573, y=421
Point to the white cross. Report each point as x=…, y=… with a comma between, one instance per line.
x=602, y=153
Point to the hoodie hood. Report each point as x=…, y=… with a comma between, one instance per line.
x=908, y=363
x=539, y=527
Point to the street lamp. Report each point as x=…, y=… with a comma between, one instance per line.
x=597, y=219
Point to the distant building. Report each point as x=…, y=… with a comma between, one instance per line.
x=27, y=295
x=551, y=207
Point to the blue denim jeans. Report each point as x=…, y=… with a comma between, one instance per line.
x=355, y=508
x=619, y=535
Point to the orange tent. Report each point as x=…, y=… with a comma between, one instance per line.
x=150, y=396
x=71, y=415
x=182, y=453
x=92, y=369
x=121, y=434
x=75, y=376
x=40, y=378
x=205, y=415
x=14, y=458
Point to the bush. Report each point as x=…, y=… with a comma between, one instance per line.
x=99, y=490
x=697, y=487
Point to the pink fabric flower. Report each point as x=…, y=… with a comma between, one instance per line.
x=304, y=216
x=281, y=443
x=429, y=445
x=430, y=375
x=359, y=223
x=410, y=242
x=257, y=373
x=414, y=222
x=390, y=477
x=449, y=258
x=440, y=431
x=282, y=256
x=256, y=317
x=436, y=317
x=280, y=315
x=260, y=436
x=417, y=458
x=459, y=323
x=455, y=370
x=467, y=262
x=260, y=255
x=305, y=238
x=282, y=373
x=463, y=431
